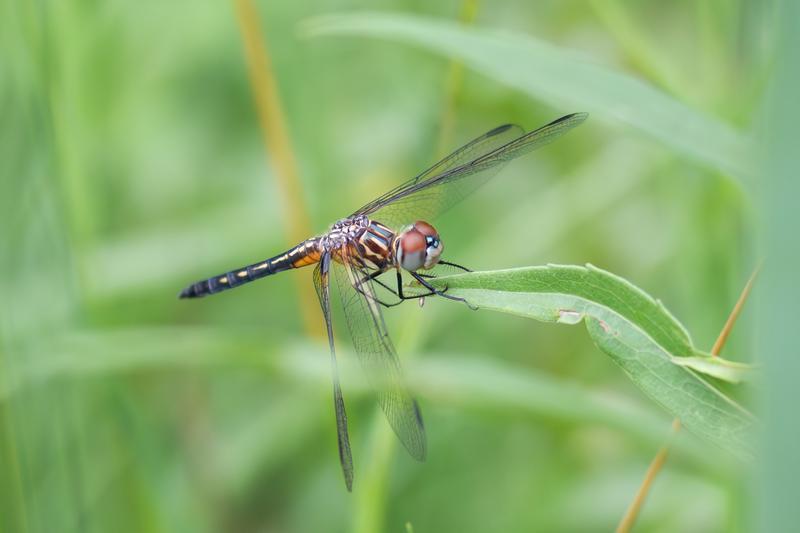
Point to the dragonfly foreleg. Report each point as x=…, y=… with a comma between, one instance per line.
x=442, y=293
x=416, y=296
x=448, y=263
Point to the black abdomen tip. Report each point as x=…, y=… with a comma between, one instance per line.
x=188, y=292
x=194, y=291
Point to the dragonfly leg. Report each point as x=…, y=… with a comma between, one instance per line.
x=397, y=292
x=448, y=263
x=441, y=293
x=374, y=277
x=416, y=296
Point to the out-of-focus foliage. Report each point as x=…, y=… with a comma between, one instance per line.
x=555, y=76
x=133, y=164
x=777, y=339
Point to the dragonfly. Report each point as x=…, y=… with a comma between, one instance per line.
x=390, y=236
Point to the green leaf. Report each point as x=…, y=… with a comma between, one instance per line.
x=562, y=78
x=635, y=330
x=730, y=371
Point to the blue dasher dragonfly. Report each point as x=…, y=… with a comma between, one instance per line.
x=391, y=234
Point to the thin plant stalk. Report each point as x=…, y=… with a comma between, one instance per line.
x=452, y=86
x=737, y=309
x=640, y=51
x=278, y=145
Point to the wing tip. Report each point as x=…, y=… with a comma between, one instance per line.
x=422, y=454
x=577, y=117
x=418, y=447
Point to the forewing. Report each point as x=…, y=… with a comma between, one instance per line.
x=458, y=175
x=485, y=144
x=378, y=357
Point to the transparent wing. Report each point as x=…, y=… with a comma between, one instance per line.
x=378, y=357
x=321, y=283
x=458, y=175
x=485, y=144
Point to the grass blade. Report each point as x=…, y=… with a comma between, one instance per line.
x=561, y=78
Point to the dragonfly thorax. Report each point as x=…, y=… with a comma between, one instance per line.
x=353, y=223
x=343, y=233
x=417, y=247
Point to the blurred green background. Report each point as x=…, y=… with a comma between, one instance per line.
x=133, y=163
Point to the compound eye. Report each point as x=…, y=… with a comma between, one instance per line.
x=433, y=250
x=425, y=228
x=412, y=250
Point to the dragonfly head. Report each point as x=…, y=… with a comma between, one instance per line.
x=418, y=246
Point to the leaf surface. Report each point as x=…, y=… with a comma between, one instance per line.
x=634, y=329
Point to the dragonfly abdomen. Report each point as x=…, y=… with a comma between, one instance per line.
x=303, y=254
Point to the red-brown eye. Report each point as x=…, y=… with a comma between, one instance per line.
x=411, y=250
x=425, y=228
x=418, y=247
x=413, y=241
